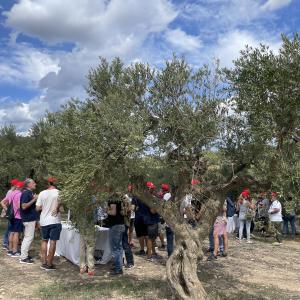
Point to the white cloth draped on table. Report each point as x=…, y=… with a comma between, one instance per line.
x=69, y=243
x=230, y=224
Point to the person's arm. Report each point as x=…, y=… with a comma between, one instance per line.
x=38, y=207
x=274, y=211
x=28, y=204
x=56, y=211
x=251, y=205
x=152, y=210
x=112, y=209
x=4, y=203
x=238, y=204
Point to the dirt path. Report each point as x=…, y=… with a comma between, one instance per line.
x=256, y=271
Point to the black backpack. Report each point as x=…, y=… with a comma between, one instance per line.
x=10, y=212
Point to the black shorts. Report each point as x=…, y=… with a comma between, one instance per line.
x=140, y=228
x=51, y=232
x=152, y=231
x=16, y=225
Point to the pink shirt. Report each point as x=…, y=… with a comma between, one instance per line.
x=15, y=197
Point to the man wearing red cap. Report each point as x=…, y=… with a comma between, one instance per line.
x=275, y=214
x=6, y=234
x=16, y=226
x=50, y=221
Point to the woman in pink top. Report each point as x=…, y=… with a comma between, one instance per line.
x=16, y=225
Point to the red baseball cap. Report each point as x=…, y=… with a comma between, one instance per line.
x=274, y=194
x=150, y=185
x=14, y=181
x=245, y=193
x=51, y=179
x=195, y=182
x=165, y=187
x=20, y=184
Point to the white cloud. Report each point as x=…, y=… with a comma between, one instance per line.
x=275, y=4
x=135, y=30
x=183, y=41
x=22, y=114
x=229, y=45
x=96, y=23
x=95, y=28
x=22, y=63
x=224, y=15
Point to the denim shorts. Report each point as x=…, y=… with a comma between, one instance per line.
x=16, y=225
x=51, y=232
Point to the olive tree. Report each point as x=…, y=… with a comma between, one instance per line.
x=138, y=120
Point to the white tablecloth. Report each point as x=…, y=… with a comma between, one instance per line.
x=69, y=243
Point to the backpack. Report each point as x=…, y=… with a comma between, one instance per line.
x=10, y=212
x=250, y=214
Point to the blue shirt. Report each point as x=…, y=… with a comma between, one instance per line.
x=29, y=214
x=230, y=207
x=151, y=219
x=141, y=209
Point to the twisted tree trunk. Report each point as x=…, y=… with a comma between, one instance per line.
x=182, y=270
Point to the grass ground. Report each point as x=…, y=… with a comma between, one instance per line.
x=251, y=271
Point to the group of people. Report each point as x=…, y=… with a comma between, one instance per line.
x=266, y=212
x=26, y=210
x=123, y=215
x=126, y=213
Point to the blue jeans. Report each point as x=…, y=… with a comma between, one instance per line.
x=6, y=234
x=248, y=227
x=127, y=248
x=212, y=243
x=170, y=240
x=115, y=239
x=286, y=220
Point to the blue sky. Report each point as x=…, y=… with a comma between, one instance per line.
x=47, y=48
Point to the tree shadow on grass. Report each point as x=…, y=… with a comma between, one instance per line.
x=107, y=288
x=219, y=284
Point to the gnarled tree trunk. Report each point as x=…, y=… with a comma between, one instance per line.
x=182, y=270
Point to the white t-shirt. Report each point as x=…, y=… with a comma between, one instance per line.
x=48, y=199
x=277, y=217
x=167, y=196
x=186, y=202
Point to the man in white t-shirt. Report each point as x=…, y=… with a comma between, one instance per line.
x=50, y=221
x=275, y=215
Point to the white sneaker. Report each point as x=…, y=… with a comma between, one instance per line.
x=249, y=242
